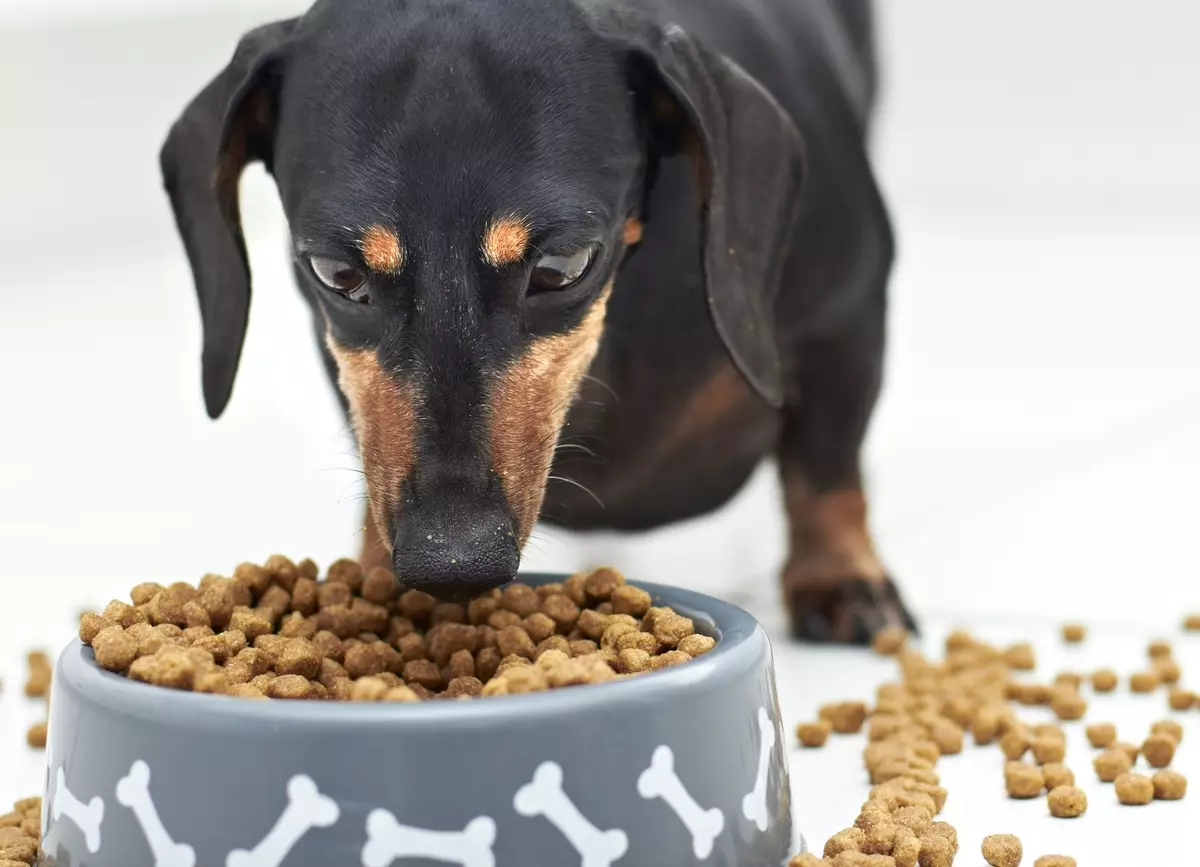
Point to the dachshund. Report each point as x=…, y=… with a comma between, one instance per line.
x=618, y=250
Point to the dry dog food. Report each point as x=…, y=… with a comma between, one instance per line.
x=1104, y=680
x=1101, y=735
x=890, y=640
x=1191, y=623
x=1055, y=861
x=1057, y=775
x=814, y=734
x=1168, y=727
x=37, y=684
x=1144, y=681
x=1066, y=802
x=1023, y=780
x=845, y=717
x=276, y=631
x=1159, y=749
x=36, y=736
x=1073, y=633
x=1169, y=785
x=1134, y=789
x=1158, y=649
x=1002, y=850
x=1111, y=763
x=21, y=833
x=1181, y=699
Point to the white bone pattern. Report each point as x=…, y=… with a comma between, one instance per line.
x=544, y=796
x=87, y=816
x=307, y=809
x=660, y=781
x=754, y=805
x=388, y=840
x=133, y=791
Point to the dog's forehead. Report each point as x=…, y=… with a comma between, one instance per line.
x=448, y=105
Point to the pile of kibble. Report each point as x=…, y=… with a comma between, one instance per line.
x=276, y=631
x=930, y=712
x=20, y=833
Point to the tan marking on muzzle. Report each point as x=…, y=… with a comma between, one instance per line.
x=381, y=250
x=383, y=414
x=528, y=406
x=505, y=241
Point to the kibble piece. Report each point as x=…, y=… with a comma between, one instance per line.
x=890, y=640
x=416, y=606
x=632, y=660
x=947, y=736
x=600, y=584
x=1168, y=727
x=985, y=725
x=1159, y=749
x=515, y=640
x=1101, y=735
x=369, y=689
x=1068, y=704
x=907, y=848
x=1104, y=680
x=879, y=839
x=1015, y=742
x=115, y=649
x=1181, y=699
x=1020, y=657
x=627, y=599
x=694, y=645
x=936, y=851
x=1191, y=623
x=1055, y=861
x=527, y=678
x=807, y=859
x=845, y=717
x=1158, y=649
x=1168, y=671
x=948, y=832
x=1057, y=774
x=1144, y=681
x=1073, y=633
x=1067, y=802
x=849, y=840
x=1070, y=679
x=423, y=672
x=402, y=694
x=36, y=736
x=666, y=660
x=521, y=599
x=561, y=610
x=1048, y=749
x=299, y=657
x=813, y=734
x=670, y=629
x=1169, y=785
x=1023, y=780
x=1129, y=749
x=37, y=683
x=90, y=625
x=1111, y=763
x=1134, y=790
x=1002, y=850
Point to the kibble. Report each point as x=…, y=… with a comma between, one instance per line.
x=1169, y=785
x=1168, y=727
x=37, y=683
x=1067, y=802
x=1134, y=790
x=1104, y=680
x=1023, y=780
x=1048, y=749
x=1002, y=850
x=1101, y=735
x=275, y=631
x=1181, y=699
x=1144, y=681
x=1159, y=750
x=1111, y=763
x=1057, y=774
x=813, y=734
x=36, y=736
x=1020, y=657
x=1073, y=633
x=1191, y=623
x=1158, y=649
x=845, y=717
x=890, y=640
x=1055, y=861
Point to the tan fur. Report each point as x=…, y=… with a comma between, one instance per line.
x=527, y=409
x=505, y=241
x=381, y=250
x=376, y=549
x=383, y=413
x=830, y=539
x=632, y=233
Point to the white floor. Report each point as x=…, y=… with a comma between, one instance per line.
x=1034, y=456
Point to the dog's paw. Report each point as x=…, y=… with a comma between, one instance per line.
x=845, y=611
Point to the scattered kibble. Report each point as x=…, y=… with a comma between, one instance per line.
x=1073, y=633
x=1104, y=680
x=1169, y=785
x=1055, y=861
x=1168, y=727
x=1191, y=623
x=1023, y=780
x=1057, y=775
x=1020, y=657
x=36, y=736
x=890, y=640
x=1067, y=802
x=1134, y=789
x=1158, y=649
x=37, y=683
x=1101, y=735
x=1159, y=750
x=1144, y=681
x=814, y=734
x=845, y=717
x=1002, y=850
x=1181, y=699
x=1111, y=763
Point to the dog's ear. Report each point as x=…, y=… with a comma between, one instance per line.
x=228, y=125
x=750, y=164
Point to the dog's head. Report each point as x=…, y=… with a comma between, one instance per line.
x=462, y=179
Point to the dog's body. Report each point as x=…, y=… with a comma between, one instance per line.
x=731, y=314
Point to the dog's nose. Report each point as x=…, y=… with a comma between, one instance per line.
x=452, y=556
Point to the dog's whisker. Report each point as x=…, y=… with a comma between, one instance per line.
x=579, y=485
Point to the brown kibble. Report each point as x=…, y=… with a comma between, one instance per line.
x=814, y=734
x=1134, y=790
x=423, y=672
x=521, y=599
x=36, y=736
x=462, y=664
x=1072, y=679
x=947, y=736
x=299, y=657
x=1129, y=749
x=1068, y=704
x=1168, y=727
x=1104, y=680
x=250, y=623
x=1002, y=850
x=482, y=607
x=1111, y=763
x=1144, y=681
x=946, y=831
x=1101, y=735
x=448, y=612
x=1057, y=774
x=122, y=614
x=515, y=640
x=143, y=593
x=1023, y=780
x=1066, y=802
x=446, y=639
x=672, y=628
x=849, y=840
x=879, y=839
x=804, y=859
x=1158, y=649
x=668, y=659
x=297, y=626
x=890, y=640
x=694, y=645
x=501, y=619
x=1055, y=861
x=252, y=576
x=1015, y=742
x=561, y=610
x=1191, y=623
x=403, y=694
x=1021, y=658
x=486, y=663
x=986, y=724
x=1048, y=749
x=465, y=685
x=1159, y=749
x=592, y=623
x=1181, y=699
x=90, y=625
x=632, y=660
x=627, y=599
x=369, y=689
x=379, y=586
x=212, y=683
x=600, y=583
x=1168, y=671
x=1073, y=633
x=526, y=678
x=1169, y=785
x=539, y=626
x=115, y=649
x=845, y=717
x=936, y=851
x=907, y=849
x=416, y=606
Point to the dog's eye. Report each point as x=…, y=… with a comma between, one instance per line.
x=559, y=272
x=340, y=276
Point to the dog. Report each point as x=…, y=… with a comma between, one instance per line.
x=620, y=250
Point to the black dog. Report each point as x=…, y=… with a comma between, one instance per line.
x=635, y=245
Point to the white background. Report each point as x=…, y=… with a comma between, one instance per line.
x=1033, y=457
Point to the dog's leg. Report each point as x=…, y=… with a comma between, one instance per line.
x=834, y=585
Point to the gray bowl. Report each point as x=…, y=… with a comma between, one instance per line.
x=685, y=766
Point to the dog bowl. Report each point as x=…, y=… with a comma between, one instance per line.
x=684, y=766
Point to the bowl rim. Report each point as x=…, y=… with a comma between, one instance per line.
x=741, y=640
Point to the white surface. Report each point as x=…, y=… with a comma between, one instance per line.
x=1033, y=457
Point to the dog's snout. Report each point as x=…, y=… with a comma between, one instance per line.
x=453, y=557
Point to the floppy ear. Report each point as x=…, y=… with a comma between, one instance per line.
x=228, y=125
x=750, y=168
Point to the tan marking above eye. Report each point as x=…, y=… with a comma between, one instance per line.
x=505, y=241
x=381, y=250
x=632, y=233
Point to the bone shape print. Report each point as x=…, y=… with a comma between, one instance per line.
x=544, y=796
x=133, y=791
x=660, y=781
x=307, y=809
x=87, y=816
x=754, y=805
x=388, y=840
